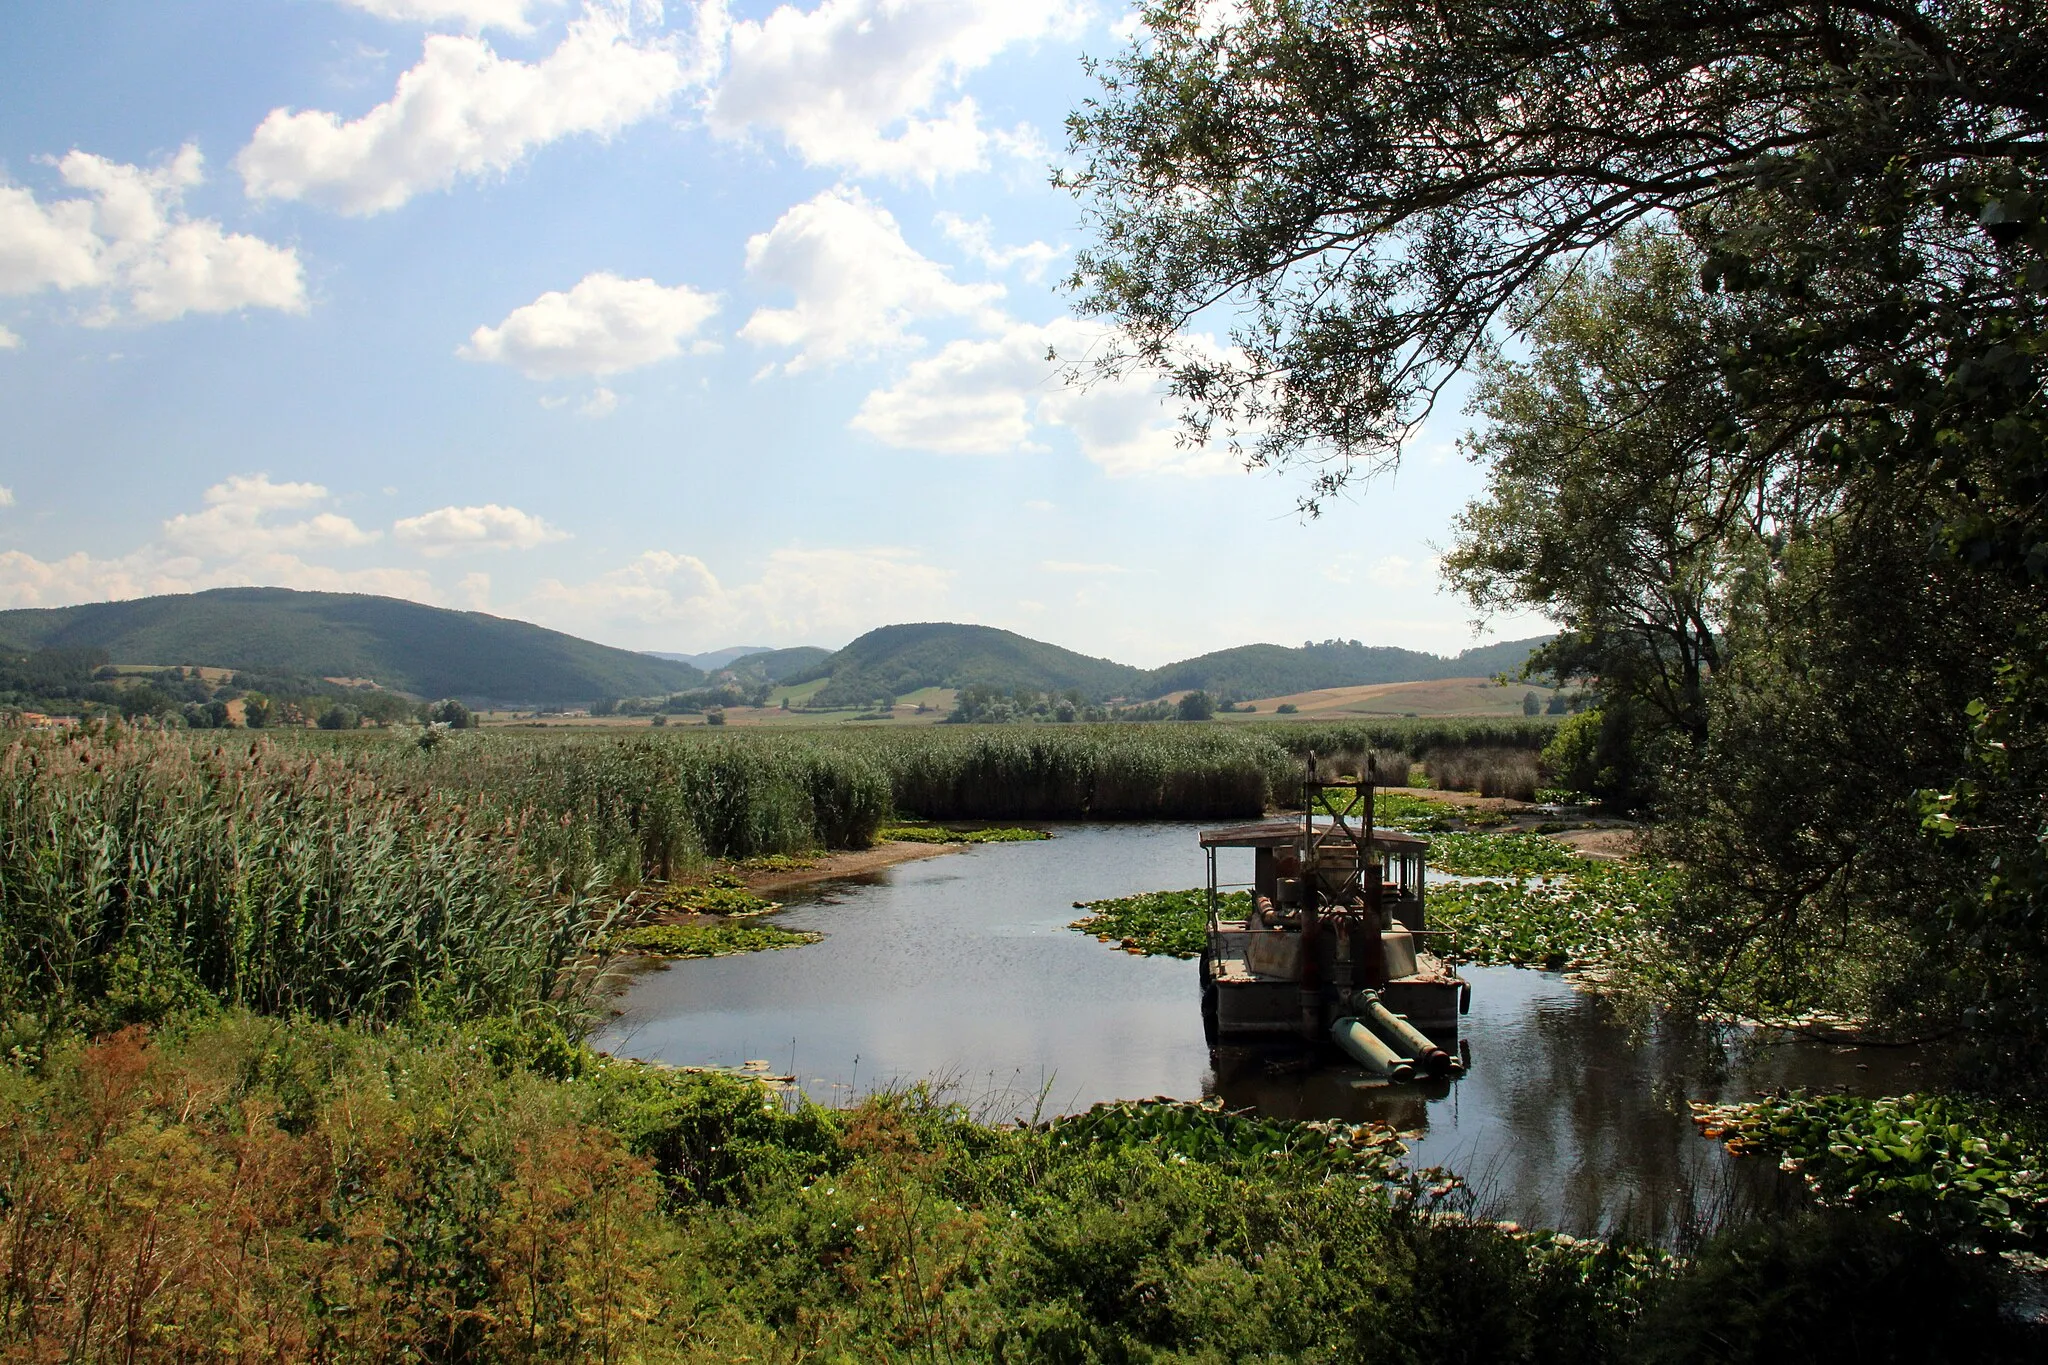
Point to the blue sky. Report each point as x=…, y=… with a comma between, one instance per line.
x=673, y=327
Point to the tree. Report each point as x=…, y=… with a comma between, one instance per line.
x=1385, y=192
x=451, y=713
x=1195, y=706
x=340, y=717
x=1532, y=705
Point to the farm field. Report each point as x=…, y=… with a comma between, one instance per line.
x=1435, y=697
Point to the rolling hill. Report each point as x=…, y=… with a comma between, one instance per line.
x=405, y=647
x=899, y=659
x=778, y=665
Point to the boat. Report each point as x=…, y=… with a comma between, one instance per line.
x=1333, y=949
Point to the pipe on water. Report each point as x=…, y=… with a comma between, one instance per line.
x=1403, y=1035
x=1365, y=1047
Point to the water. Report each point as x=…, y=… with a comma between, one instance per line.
x=961, y=969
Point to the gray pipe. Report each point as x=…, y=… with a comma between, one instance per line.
x=1403, y=1035
x=1363, y=1046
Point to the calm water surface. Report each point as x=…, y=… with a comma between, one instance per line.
x=961, y=968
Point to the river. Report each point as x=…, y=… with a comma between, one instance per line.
x=961, y=970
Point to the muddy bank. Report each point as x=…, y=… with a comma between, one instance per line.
x=853, y=862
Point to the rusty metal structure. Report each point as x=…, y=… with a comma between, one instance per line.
x=1331, y=949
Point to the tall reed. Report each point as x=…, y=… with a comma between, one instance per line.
x=140, y=873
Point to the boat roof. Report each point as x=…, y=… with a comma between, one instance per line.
x=1278, y=833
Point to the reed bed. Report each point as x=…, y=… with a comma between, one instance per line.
x=1489, y=771
x=141, y=875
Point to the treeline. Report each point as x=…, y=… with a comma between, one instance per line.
x=736, y=692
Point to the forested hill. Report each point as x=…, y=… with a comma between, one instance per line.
x=1275, y=670
x=899, y=659
x=403, y=646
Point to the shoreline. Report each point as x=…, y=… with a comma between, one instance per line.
x=850, y=862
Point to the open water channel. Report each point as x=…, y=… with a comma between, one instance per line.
x=961, y=969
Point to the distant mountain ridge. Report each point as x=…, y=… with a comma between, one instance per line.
x=434, y=652
x=404, y=646
x=711, y=661
x=894, y=660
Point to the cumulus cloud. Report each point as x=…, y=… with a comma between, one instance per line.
x=601, y=404
x=6, y=496
x=662, y=599
x=464, y=111
x=601, y=326
x=128, y=237
x=858, y=286
x=26, y=581
x=869, y=86
x=10, y=340
x=473, y=15
x=998, y=395
x=453, y=530
x=975, y=237
x=239, y=520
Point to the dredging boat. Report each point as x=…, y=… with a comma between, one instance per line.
x=1331, y=948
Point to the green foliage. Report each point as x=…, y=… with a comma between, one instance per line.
x=1501, y=855
x=714, y=899
x=1602, y=914
x=495, y=1194
x=138, y=871
x=1831, y=1289
x=1160, y=923
x=936, y=834
x=1959, y=1169
x=1276, y=670
x=706, y=940
x=1208, y=1133
x=1195, y=706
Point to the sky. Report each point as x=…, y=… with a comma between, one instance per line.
x=674, y=327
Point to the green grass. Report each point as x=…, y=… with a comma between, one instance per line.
x=706, y=940
x=935, y=834
x=1159, y=923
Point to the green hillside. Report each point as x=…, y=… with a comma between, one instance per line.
x=1276, y=670
x=779, y=665
x=404, y=646
x=898, y=659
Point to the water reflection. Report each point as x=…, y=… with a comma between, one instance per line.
x=961, y=969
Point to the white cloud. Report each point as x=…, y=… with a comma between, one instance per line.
x=10, y=340
x=465, y=111
x=474, y=591
x=601, y=326
x=866, y=85
x=998, y=396
x=858, y=285
x=129, y=238
x=1079, y=567
x=451, y=530
x=975, y=238
x=237, y=521
x=801, y=594
x=473, y=15
x=6, y=496
x=26, y=581
x=601, y=404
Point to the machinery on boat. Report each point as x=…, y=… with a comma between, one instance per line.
x=1332, y=945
